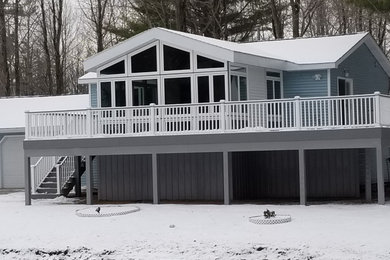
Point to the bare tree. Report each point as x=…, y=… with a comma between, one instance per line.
x=4, y=66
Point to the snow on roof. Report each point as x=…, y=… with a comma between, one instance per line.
x=90, y=77
x=14, y=117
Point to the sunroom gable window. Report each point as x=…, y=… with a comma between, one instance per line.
x=117, y=68
x=144, y=61
x=176, y=59
x=207, y=63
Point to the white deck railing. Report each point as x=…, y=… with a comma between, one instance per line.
x=64, y=170
x=264, y=115
x=40, y=170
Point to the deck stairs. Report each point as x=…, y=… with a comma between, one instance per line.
x=48, y=187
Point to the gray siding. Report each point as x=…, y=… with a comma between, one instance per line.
x=93, y=95
x=333, y=173
x=304, y=83
x=125, y=177
x=368, y=76
x=257, y=89
x=190, y=176
x=264, y=175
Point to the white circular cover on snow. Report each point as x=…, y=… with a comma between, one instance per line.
x=106, y=211
x=278, y=219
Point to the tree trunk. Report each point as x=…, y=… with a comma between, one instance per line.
x=4, y=67
x=295, y=9
x=277, y=23
x=49, y=77
x=16, y=47
x=57, y=31
x=181, y=24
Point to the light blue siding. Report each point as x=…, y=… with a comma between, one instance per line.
x=311, y=83
x=93, y=95
x=367, y=74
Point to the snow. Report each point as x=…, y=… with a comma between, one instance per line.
x=13, y=109
x=50, y=229
x=299, y=51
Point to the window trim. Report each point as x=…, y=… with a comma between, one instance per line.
x=168, y=72
x=104, y=76
x=139, y=50
x=346, y=80
x=112, y=83
x=224, y=68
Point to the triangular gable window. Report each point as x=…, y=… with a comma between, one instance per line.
x=207, y=63
x=117, y=68
x=175, y=59
x=145, y=61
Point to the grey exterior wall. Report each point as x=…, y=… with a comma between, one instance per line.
x=333, y=173
x=368, y=76
x=257, y=88
x=304, y=83
x=190, y=176
x=265, y=175
x=125, y=177
x=93, y=95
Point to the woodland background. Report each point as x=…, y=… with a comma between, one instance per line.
x=43, y=42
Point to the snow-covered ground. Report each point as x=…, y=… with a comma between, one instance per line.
x=50, y=229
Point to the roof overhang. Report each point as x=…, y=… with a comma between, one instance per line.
x=90, y=77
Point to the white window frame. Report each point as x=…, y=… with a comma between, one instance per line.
x=163, y=71
x=187, y=75
x=350, y=80
x=130, y=88
x=239, y=75
x=224, y=68
x=150, y=45
x=211, y=85
x=280, y=79
x=104, y=76
x=112, y=82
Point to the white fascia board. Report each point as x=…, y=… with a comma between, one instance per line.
x=313, y=66
x=149, y=36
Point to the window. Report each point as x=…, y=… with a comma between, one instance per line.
x=144, y=92
x=117, y=68
x=345, y=86
x=145, y=61
x=203, y=89
x=206, y=63
x=238, y=88
x=274, y=90
x=273, y=74
x=175, y=59
x=120, y=94
x=177, y=90
x=219, y=87
x=105, y=94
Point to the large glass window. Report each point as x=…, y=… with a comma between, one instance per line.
x=105, y=94
x=177, y=90
x=206, y=63
x=344, y=86
x=175, y=59
x=144, y=92
x=203, y=89
x=219, y=87
x=120, y=93
x=273, y=89
x=145, y=61
x=238, y=88
x=117, y=68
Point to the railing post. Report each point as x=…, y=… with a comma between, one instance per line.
x=297, y=102
x=377, y=108
x=152, y=118
x=89, y=123
x=222, y=115
x=58, y=179
x=27, y=128
x=32, y=167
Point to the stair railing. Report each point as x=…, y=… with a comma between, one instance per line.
x=64, y=170
x=40, y=170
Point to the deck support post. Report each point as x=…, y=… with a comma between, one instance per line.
x=27, y=180
x=226, y=182
x=155, y=179
x=381, y=156
x=89, y=179
x=77, y=167
x=368, y=173
x=302, y=177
